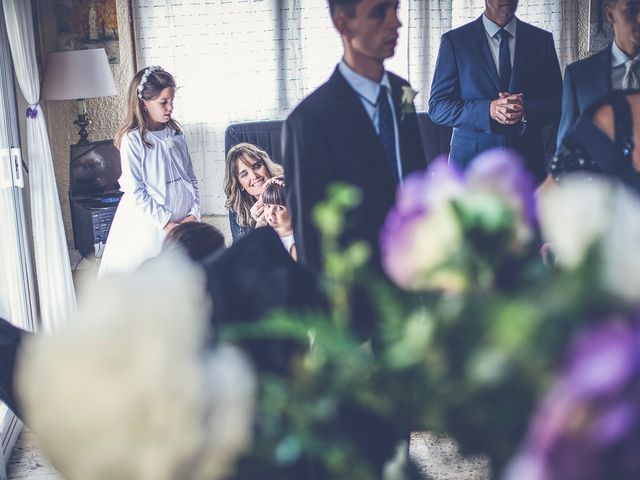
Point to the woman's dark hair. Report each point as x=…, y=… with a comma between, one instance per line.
x=137, y=117
x=274, y=192
x=199, y=239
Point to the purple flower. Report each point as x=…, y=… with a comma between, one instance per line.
x=503, y=171
x=423, y=231
x=32, y=112
x=588, y=426
x=409, y=250
x=603, y=360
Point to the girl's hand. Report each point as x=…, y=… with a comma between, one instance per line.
x=169, y=226
x=189, y=218
x=257, y=213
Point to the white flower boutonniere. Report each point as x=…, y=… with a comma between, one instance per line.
x=406, y=102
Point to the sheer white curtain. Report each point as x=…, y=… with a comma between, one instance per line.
x=426, y=22
x=55, y=287
x=255, y=59
x=234, y=62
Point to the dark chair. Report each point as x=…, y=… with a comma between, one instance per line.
x=266, y=135
x=436, y=139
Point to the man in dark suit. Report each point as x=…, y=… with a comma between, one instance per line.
x=497, y=82
x=355, y=128
x=614, y=68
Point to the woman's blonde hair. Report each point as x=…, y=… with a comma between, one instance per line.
x=137, y=117
x=238, y=199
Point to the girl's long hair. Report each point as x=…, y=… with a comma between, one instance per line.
x=137, y=117
x=239, y=200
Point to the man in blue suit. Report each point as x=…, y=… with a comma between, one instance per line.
x=497, y=82
x=614, y=68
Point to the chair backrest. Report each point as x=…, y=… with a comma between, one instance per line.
x=436, y=139
x=265, y=135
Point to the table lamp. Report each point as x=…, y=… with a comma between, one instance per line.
x=78, y=75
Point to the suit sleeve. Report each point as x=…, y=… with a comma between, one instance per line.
x=446, y=106
x=570, y=110
x=305, y=158
x=546, y=109
x=134, y=180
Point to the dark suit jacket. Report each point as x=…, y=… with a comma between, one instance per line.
x=466, y=81
x=585, y=81
x=11, y=338
x=329, y=137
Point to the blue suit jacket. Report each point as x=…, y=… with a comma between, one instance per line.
x=466, y=81
x=585, y=81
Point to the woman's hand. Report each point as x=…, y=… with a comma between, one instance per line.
x=188, y=218
x=257, y=213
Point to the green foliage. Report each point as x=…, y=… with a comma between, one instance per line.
x=471, y=363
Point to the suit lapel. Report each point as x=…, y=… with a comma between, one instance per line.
x=484, y=52
x=519, y=58
x=602, y=72
x=396, y=94
x=360, y=126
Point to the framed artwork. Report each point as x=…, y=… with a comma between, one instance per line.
x=600, y=30
x=83, y=24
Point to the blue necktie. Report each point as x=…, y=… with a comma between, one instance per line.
x=387, y=132
x=504, y=59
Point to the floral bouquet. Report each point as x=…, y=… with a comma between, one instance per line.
x=471, y=325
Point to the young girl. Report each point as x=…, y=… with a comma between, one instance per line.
x=160, y=188
x=276, y=212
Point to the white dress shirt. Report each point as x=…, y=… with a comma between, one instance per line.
x=618, y=67
x=491, y=29
x=368, y=91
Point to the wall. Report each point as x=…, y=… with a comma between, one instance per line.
x=106, y=113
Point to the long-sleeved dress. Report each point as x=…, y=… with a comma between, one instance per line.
x=159, y=186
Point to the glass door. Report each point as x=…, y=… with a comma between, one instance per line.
x=17, y=298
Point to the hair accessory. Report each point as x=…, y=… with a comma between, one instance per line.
x=145, y=77
x=276, y=180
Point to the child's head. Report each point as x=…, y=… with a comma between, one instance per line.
x=149, y=102
x=276, y=213
x=199, y=239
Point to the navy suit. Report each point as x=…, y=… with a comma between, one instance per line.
x=585, y=81
x=466, y=81
x=328, y=138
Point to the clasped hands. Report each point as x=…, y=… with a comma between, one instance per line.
x=508, y=108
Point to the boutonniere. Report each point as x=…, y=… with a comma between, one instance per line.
x=406, y=102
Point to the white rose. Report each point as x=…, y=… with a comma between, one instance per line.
x=582, y=213
x=408, y=94
x=130, y=389
x=573, y=215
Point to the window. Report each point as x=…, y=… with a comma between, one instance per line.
x=249, y=60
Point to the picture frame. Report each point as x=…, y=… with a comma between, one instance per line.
x=85, y=24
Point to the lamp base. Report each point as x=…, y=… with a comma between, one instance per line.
x=83, y=121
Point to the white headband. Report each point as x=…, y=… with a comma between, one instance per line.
x=145, y=77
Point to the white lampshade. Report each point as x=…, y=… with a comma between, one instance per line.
x=77, y=74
